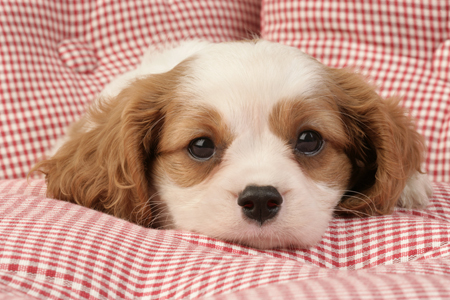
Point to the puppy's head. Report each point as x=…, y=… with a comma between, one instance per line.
x=250, y=142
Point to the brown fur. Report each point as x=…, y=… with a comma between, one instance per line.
x=183, y=124
x=384, y=147
x=330, y=166
x=106, y=167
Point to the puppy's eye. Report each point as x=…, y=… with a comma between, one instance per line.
x=202, y=148
x=309, y=142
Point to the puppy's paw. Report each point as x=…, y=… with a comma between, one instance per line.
x=417, y=192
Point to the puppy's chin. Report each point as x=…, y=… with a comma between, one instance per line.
x=279, y=235
x=272, y=235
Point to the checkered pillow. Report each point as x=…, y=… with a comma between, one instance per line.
x=51, y=249
x=402, y=45
x=55, y=56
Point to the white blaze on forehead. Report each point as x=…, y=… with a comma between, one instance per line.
x=244, y=80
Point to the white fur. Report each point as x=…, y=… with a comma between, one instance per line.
x=154, y=61
x=417, y=192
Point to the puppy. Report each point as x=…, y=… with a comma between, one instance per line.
x=250, y=142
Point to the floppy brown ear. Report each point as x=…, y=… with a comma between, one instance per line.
x=106, y=167
x=385, y=148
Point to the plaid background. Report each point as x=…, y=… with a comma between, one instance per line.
x=57, y=55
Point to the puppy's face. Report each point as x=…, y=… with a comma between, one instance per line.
x=253, y=154
x=250, y=142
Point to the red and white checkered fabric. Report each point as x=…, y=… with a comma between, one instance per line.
x=55, y=56
x=51, y=249
x=402, y=45
x=77, y=55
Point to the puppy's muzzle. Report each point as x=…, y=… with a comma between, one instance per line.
x=260, y=203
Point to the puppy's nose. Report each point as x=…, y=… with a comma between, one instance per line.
x=260, y=203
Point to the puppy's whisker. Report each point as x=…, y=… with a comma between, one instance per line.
x=161, y=218
x=158, y=213
x=352, y=211
x=140, y=211
x=362, y=197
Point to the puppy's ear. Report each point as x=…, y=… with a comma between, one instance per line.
x=105, y=163
x=385, y=148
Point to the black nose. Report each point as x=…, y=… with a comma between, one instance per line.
x=260, y=203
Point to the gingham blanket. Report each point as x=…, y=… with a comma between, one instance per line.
x=54, y=249
x=55, y=56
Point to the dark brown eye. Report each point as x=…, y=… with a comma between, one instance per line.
x=202, y=148
x=309, y=142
